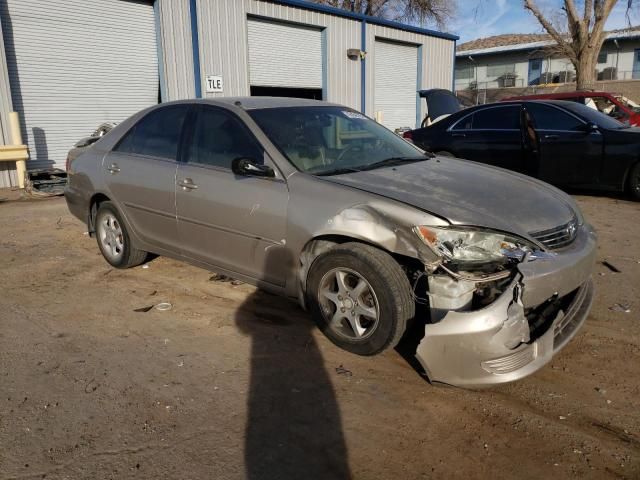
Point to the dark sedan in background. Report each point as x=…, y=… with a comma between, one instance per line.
x=560, y=142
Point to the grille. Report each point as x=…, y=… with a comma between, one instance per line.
x=558, y=237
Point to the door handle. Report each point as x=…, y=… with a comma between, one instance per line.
x=113, y=168
x=187, y=184
x=551, y=137
x=460, y=135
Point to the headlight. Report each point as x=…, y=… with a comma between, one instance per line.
x=469, y=246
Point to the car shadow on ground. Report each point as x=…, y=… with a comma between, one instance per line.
x=294, y=427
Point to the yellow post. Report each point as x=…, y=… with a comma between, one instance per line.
x=16, y=139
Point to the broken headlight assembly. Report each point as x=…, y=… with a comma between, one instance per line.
x=465, y=249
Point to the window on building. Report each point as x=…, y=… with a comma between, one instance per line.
x=497, y=118
x=219, y=138
x=500, y=69
x=157, y=134
x=551, y=118
x=602, y=57
x=464, y=72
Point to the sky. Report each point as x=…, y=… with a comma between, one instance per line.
x=484, y=18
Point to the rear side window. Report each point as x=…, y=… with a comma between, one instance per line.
x=551, y=118
x=219, y=138
x=497, y=118
x=157, y=134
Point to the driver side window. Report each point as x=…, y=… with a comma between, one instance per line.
x=219, y=138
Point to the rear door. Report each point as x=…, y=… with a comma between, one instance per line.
x=235, y=222
x=490, y=135
x=140, y=173
x=568, y=153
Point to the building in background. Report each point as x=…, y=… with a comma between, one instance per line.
x=69, y=66
x=522, y=60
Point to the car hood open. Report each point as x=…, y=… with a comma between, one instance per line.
x=468, y=193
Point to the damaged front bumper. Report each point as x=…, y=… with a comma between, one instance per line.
x=498, y=343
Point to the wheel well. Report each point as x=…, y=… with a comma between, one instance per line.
x=321, y=244
x=625, y=183
x=95, y=202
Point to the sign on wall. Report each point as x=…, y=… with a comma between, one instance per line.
x=213, y=84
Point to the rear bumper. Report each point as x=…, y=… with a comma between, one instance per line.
x=76, y=203
x=475, y=348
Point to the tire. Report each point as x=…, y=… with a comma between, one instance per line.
x=114, y=240
x=444, y=153
x=387, y=293
x=633, y=182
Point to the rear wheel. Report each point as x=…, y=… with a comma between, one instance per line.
x=360, y=298
x=114, y=240
x=633, y=182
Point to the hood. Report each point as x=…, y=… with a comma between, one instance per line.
x=468, y=193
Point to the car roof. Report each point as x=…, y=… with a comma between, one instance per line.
x=252, y=103
x=582, y=94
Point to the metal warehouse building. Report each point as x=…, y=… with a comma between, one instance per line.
x=67, y=67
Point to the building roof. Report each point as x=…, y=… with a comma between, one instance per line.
x=364, y=18
x=513, y=42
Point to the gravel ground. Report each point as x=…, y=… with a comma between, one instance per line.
x=234, y=383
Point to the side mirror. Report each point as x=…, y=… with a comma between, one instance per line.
x=248, y=167
x=591, y=127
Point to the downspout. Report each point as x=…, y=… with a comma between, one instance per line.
x=363, y=67
x=160, y=50
x=193, y=12
x=453, y=75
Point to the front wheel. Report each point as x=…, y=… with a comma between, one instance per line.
x=633, y=182
x=360, y=298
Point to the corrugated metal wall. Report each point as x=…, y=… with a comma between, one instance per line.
x=7, y=169
x=223, y=45
x=175, y=45
x=222, y=27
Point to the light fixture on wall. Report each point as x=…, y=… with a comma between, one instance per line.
x=355, y=54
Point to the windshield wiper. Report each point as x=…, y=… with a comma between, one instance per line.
x=388, y=162
x=337, y=171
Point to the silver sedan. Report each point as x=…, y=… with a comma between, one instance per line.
x=317, y=202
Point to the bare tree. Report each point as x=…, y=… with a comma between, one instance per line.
x=580, y=41
x=414, y=11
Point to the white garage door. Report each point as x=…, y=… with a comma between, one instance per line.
x=284, y=55
x=76, y=64
x=396, y=83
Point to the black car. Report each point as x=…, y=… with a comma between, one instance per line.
x=561, y=142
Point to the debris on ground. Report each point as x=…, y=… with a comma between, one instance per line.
x=620, y=307
x=45, y=182
x=340, y=370
x=611, y=266
x=164, y=306
x=143, y=309
x=218, y=277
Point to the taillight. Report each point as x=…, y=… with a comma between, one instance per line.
x=68, y=163
x=408, y=135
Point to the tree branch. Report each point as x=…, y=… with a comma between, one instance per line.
x=557, y=36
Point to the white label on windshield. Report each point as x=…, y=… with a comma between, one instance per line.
x=353, y=114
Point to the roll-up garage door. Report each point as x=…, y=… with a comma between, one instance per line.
x=75, y=64
x=396, y=83
x=284, y=55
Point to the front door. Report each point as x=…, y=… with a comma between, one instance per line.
x=535, y=71
x=235, y=222
x=569, y=154
x=141, y=171
x=636, y=64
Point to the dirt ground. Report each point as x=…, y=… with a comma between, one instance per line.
x=234, y=383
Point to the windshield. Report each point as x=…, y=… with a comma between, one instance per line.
x=331, y=140
x=591, y=115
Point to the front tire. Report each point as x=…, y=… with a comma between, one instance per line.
x=633, y=182
x=114, y=240
x=360, y=298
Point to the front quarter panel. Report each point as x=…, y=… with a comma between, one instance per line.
x=319, y=208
